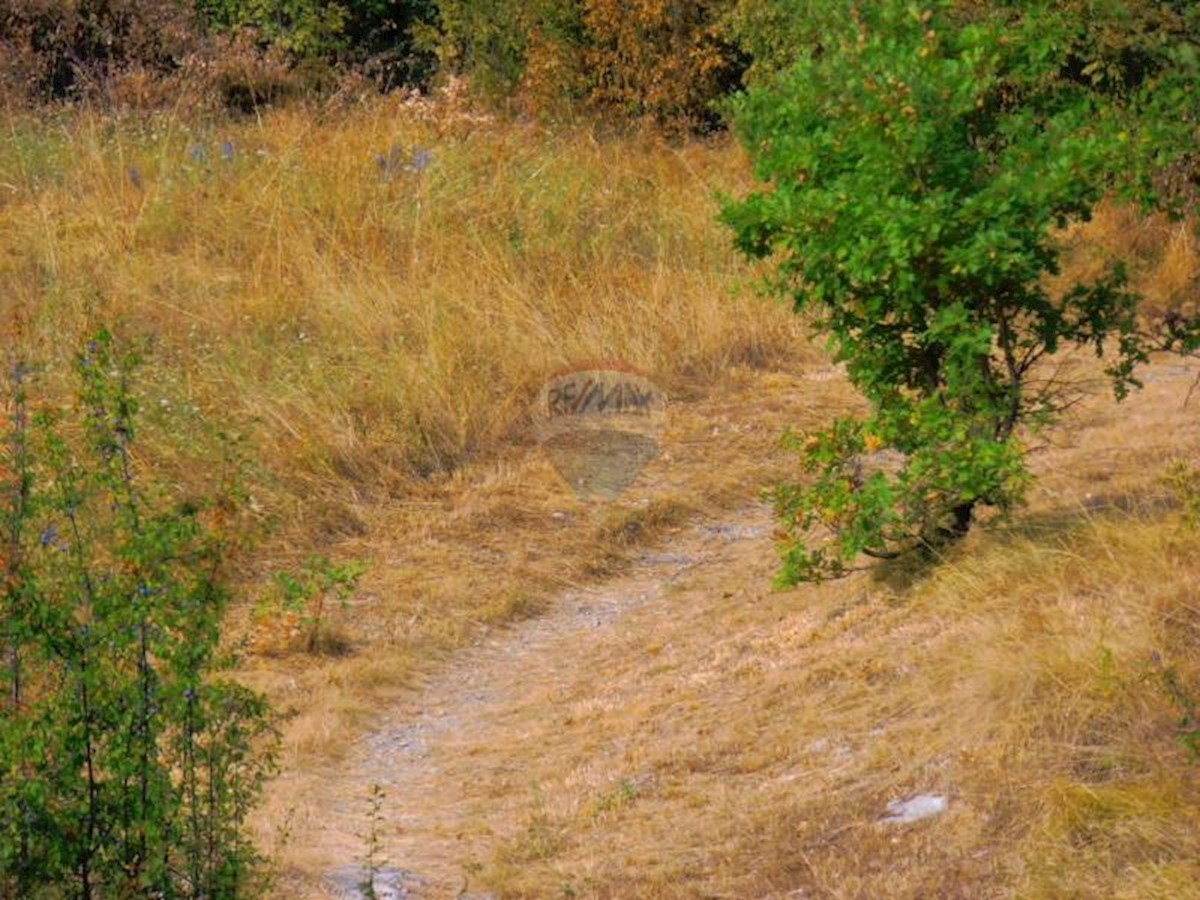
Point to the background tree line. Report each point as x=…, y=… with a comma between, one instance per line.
x=670, y=61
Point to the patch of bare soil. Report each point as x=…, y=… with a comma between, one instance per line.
x=441, y=757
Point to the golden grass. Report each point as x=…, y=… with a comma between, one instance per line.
x=498, y=542
x=733, y=742
x=1162, y=257
x=378, y=334
x=367, y=323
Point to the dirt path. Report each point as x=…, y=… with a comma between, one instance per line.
x=428, y=757
x=625, y=695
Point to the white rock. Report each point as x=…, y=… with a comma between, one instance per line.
x=922, y=806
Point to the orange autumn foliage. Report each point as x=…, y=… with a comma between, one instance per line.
x=662, y=59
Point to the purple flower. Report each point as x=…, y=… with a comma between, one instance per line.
x=390, y=164
x=49, y=535
x=422, y=159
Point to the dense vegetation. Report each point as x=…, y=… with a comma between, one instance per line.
x=920, y=171
x=125, y=768
x=672, y=62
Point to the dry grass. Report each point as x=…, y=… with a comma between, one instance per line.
x=368, y=329
x=732, y=742
x=377, y=335
x=1162, y=257
x=499, y=542
x=367, y=323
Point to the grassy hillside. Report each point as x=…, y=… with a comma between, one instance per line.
x=365, y=322
x=728, y=741
x=369, y=296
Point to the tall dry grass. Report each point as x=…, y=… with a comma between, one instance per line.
x=370, y=325
x=375, y=332
x=365, y=320
x=742, y=742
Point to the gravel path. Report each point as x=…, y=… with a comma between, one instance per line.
x=420, y=755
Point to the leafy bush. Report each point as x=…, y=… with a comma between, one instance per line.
x=384, y=37
x=1116, y=44
x=773, y=34
x=125, y=767
x=55, y=50
x=918, y=171
x=300, y=27
x=377, y=35
x=263, y=49
x=491, y=42
x=664, y=61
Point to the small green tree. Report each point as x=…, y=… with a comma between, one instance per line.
x=304, y=28
x=126, y=768
x=919, y=169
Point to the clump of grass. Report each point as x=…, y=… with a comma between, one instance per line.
x=1162, y=256
x=371, y=325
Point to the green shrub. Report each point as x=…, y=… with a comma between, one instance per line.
x=668, y=62
x=775, y=33
x=377, y=35
x=384, y=39
x=918, y=169
x=300, y=27
x=126, y=767
x=490, y=41
x=1115, y=44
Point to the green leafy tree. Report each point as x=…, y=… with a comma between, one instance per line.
x=918, y=169
x=774, y=33
x=382, y=37
x=1114, y=44
x=301, y=27
x=639, y=59
x=491, y=41
x=126, y=768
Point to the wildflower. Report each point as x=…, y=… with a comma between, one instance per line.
x=49, y=535
x=422, y=159
x=228, y=151
x=198, y=154
x=135, y=177
x=391, y=163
